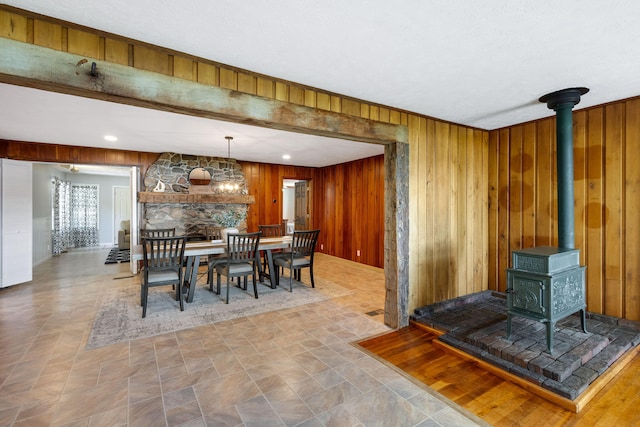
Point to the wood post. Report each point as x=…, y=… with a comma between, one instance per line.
x=396, y=234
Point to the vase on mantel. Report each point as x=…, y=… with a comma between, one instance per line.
x=225, y=231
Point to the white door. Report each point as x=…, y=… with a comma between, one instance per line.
x=16, y=249
x=134, y=187
x=121, y=208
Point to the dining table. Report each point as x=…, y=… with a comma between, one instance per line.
x=194, y=251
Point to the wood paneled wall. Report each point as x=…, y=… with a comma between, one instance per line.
x=54, y=153
x=448, y=220
x=265, y=184
x=523, y=195
x=448, y=167
x=348, y=204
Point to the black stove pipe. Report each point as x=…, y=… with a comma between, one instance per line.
x=562, y=102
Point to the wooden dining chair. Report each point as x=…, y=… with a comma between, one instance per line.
x=213, y=233
x=303, y=247
x=271, y=230
x=240, y=261
x=158, y=232
x=162, y=265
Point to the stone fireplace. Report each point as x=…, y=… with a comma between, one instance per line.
x=190, y=208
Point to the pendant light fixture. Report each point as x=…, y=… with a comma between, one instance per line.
x=229, y=186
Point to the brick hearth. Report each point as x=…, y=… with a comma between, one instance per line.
x=477, y=325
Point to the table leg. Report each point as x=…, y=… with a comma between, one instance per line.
x=261, y=271
x=191, y=275
x=271, y=270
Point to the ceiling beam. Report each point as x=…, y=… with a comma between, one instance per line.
x=42, y=68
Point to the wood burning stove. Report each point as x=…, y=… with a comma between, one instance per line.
x=546, y=284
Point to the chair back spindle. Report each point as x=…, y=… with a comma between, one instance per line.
x=304, y=243
x=271, y=230
x=242, y=247
x=158, y=232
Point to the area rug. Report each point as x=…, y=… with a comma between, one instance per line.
x=117, y=255
x=119, y=317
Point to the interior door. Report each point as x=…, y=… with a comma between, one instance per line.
x=16, y=207
x=302, y=206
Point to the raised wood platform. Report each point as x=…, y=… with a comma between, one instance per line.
x=475, y=327
x=499, y=401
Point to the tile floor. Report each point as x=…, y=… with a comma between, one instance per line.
x=293, y=367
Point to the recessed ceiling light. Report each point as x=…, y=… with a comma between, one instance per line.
x=286, y=156
x=110, y=138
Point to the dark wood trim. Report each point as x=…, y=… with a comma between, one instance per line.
x=56, y=153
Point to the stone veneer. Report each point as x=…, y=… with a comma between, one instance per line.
x=189, y=219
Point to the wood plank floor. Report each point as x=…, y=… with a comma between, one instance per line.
x=495, y=400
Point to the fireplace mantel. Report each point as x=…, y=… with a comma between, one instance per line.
x=152, y=197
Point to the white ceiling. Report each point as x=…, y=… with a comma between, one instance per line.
x=482, y=64
x=40, y=116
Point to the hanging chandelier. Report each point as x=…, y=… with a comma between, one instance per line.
x=231, y=185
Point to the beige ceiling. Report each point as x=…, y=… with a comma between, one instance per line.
x=477, y=63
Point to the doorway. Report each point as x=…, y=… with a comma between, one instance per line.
x=297, y=204
x=121, y=208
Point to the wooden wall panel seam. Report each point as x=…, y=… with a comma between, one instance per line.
x=607, y=190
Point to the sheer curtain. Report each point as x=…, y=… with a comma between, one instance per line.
x=74, y=214
x=84, y=215
x=60, y=214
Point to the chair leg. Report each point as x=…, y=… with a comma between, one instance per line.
x=181, y=296
x=313, y=285
x=218, y=285
x=265, y=264
x=145, y=293
x=255, y=285
x=227, y=301
x=291, y=279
